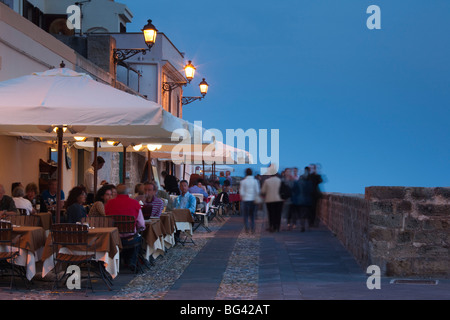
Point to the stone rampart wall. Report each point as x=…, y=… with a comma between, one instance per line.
x=404, y=230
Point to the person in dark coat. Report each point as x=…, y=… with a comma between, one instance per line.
x=74, y=205
x=302, y=199
x=316, y=180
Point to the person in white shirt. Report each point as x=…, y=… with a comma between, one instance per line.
x=89, y=180
x=270, y=191
x=20, y=202
x=249, y=191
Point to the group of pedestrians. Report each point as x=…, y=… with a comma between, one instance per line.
x=297, y=194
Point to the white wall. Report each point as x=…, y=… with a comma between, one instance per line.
x=97, y=13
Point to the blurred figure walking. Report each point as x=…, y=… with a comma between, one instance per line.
x=302, y=199
x=270, y=191
x=316, y=180
x=249, y=191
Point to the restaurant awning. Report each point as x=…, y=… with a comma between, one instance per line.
x=36, y=104
x=33, y=105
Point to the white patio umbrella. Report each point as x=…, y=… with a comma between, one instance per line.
x=36, y=104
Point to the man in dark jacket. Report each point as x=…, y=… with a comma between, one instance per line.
x=302, y=198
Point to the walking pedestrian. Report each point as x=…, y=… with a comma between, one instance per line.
x=270, y=191
x=302, y=199
x=249, y=191
x=316, y=180
x=288, y=212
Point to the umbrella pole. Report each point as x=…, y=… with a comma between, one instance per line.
x=149, y=166
x=184, y=171
x=59, y=183
x=95, y=165
x=124, y=164
x=203, y=163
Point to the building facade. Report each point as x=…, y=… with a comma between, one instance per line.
x=32, y=40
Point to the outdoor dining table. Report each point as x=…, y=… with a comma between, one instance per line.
x=108, y=246
x=168, y=226
x=154, y=238
x=235, y=198
x=45, y=220
x=183, y=220
x=31, y=245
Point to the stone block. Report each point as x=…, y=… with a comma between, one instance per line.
x=429, y=209
x=418, y=193
x=394, y=221
x=412, y=223
x=382, y=206
x=385, y=193
x=399, y=267
x=381, y=234
x=404, y=237
x=403, y=207
x=443, y=192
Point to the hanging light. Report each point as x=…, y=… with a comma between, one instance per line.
x=150, y=33
x=137, y=147
x=153, y=147
x=113, y=143
x=189, y=71
x=203, y=87
x=55, y=129
x=80, y=139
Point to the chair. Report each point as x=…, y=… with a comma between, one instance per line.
x=126, y=226
x=200, y=216
x=222, y=204
x=68, y=235
x=147, y=211
x=30, y=221
x=211, y=210
x=99, y=222
x=22, y=212
x=7, y=258
x=199, y=196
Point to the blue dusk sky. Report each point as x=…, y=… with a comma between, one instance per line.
x=371, y=106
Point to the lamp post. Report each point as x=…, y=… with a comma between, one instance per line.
x=149, y=31
x=203, y=90
x=169, y=86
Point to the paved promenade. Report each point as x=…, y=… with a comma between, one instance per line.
x=295, y=265
x=288, y=265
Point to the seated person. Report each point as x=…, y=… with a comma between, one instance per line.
x=7, y=205
x=186, y=200
x=138, y=190
x=15, y=185
x=211, y=189
x=152, y=206
x=48, y=197
x=198, y=188
x=104, y=194
x=21, y=202
x=74, y=205
x=222, y=197
x=31, y=193
x=124, y=205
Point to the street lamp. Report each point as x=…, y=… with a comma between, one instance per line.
x=189, y=71
x=203, y=90
x=149, y=31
